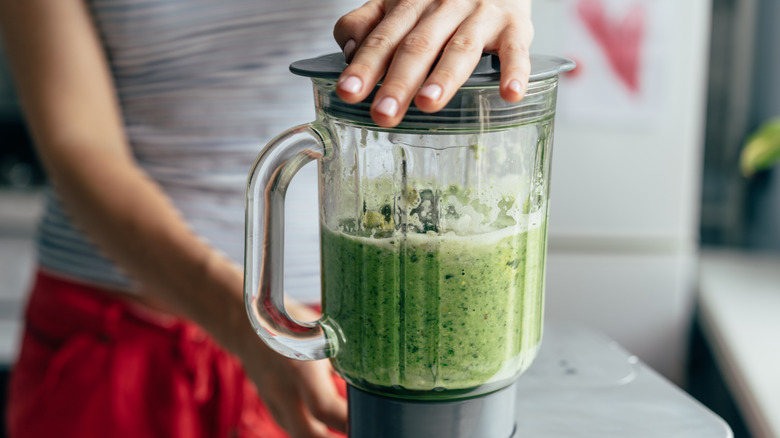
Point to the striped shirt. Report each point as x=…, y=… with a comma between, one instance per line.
x=203, y=85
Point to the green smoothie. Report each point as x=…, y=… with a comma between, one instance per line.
x=419, y=313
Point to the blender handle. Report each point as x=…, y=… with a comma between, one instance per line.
x=264, y=233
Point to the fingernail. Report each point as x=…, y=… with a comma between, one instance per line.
x=431, y=91
x=351, y=84
x=387, y=106
x=348, y=49
x=516, y=86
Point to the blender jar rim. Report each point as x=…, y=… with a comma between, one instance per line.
x=476, y=106
x=487, y=71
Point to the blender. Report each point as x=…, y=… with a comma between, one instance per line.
x=433, y=245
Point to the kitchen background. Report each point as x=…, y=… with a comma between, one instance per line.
x=651, y=220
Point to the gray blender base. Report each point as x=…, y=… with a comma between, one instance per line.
x=383, y=417
x=582, y=385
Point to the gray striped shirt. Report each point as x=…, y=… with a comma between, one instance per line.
x=203, y=85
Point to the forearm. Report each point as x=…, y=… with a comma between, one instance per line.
x=130, y=218
x=70, y=105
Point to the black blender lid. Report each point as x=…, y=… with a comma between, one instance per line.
x=487, y=72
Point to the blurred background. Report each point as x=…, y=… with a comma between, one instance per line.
x=656, y=236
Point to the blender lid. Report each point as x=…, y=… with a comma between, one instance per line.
x=487, y=72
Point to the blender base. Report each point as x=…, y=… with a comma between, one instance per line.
x=374, y=416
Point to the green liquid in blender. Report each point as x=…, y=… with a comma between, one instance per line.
x=423, y=313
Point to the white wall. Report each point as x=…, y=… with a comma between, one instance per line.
x=625, y=178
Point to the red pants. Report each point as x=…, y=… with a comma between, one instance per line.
x=93, y=365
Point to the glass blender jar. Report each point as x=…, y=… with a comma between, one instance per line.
x=433, y=245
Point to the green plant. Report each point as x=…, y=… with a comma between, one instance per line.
x=762, y=149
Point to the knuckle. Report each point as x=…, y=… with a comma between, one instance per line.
x=378, y=41
x=405, y=7
x=520, y=35
x=499, y=14
x=491, y=8
x=515, y=46
x=416, y=44
x=444, y=76
x=464, y=44
x=454, y=4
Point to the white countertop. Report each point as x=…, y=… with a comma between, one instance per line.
x=585, y=385
x=740, y=313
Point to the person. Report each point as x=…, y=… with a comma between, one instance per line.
x=147, y=116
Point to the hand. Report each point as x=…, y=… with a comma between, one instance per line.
x=404, y=38
x=301, y=395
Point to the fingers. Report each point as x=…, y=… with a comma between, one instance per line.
x=463, y=52
x=515, y=62
x=460, y=56
x=412, y=62
x=405, y=40
x=302, y=423
x=320, y=395
x=305, y=402
x=376, y=51
x=290, y=412
x=300, y=395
